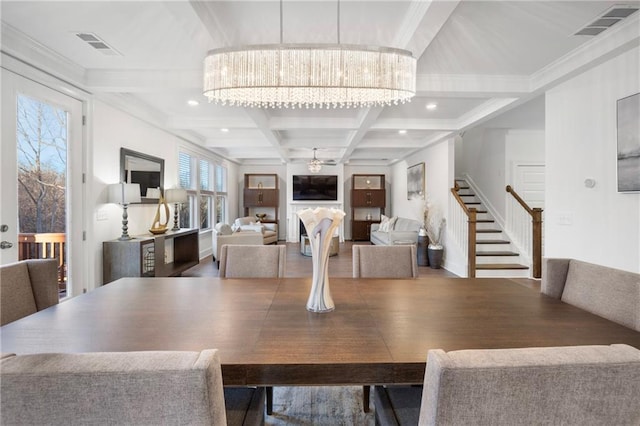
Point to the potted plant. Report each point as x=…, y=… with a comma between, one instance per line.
x=434, y=225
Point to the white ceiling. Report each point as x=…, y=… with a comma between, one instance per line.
x=476, y=60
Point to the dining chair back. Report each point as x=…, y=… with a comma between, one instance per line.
x=27, y=287
x=250, y=261
x=385, y=261
x=553, y=385
x=158, y=387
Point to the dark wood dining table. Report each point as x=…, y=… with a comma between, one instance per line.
x=379, y=333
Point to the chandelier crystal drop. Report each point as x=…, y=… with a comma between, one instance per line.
x=309, y=76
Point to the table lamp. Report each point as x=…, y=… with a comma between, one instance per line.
x=124, y=194
x=175, y=196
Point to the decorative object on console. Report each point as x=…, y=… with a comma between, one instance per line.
x=176, y=196
x=321, y=224
x=124, y=194
x=261, y=216
x=304, y=75
x=159, y=227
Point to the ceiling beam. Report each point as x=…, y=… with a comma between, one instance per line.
x=260, y=117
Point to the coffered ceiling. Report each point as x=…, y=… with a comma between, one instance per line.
x=476, y=61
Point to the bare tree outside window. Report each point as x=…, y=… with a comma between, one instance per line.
x=42, y=157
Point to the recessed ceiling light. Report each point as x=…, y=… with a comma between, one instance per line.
x=224, y=130
x=193, y=102
x=431, y=106
x=402, y=132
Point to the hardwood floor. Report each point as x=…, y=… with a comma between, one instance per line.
x=300, y=266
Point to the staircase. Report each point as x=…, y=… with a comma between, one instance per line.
x=496, y=256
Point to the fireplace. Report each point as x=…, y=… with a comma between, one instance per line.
x=295, y=228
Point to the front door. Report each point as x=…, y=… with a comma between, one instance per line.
x=41, y=190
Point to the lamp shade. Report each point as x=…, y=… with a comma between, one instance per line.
x=124, y=193
x=153, y=193
x=175, y=195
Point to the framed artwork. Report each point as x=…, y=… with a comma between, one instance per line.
x=628, y=125
x=415, y=182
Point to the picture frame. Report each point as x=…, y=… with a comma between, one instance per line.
x=415, y=182
x=628, y=146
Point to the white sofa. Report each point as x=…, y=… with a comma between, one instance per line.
x=244, y=232
x=402, y=230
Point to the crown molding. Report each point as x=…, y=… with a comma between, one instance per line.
x=17, y=44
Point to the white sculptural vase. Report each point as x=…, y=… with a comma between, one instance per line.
x=320, y=223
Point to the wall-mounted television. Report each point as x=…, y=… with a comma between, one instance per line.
x=315, y=187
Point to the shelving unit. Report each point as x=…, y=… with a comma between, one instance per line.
x=261, y=196
x=368, y=201
x=164, y=255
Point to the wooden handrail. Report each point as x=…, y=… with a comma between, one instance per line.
x=471, y=221
x=536, y=224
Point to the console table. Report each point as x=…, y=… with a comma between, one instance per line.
x=144, y=255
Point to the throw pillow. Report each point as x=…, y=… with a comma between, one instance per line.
x=224, y=229
x=384, y=224
x=392, y=223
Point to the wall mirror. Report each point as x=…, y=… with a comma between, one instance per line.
x=146, y=170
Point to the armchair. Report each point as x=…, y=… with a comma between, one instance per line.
x=243, y=232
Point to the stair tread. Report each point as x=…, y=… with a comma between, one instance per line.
x=472, y=202
x=500, y=266
x=485, y=220
x=492, y=242
x=467, y=195
x=488, y=231
x=481, y=211
x=497, y=253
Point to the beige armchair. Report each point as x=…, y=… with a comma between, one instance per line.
x=245, y=233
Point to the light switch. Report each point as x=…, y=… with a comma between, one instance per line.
x=101, y=214
x=565, y=218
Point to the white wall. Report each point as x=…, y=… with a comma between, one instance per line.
x=596, y=225
x=113, y=129
x=439, y=176
x=484, y=166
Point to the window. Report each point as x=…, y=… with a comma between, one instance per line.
x=206, y=185
x=221, y=193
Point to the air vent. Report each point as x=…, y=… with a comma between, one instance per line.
x=608, y=19
x=98, y=44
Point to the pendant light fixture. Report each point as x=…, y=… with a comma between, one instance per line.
x=309, y=75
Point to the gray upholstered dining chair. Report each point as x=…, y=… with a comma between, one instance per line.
x=555, y=385
x=385, y=261
x=27, y=287
x=252, y=261
x=155, y=387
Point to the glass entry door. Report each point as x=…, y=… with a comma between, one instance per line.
x=42, y=188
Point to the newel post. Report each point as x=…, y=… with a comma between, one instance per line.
x=471, y=251
x=536, y=220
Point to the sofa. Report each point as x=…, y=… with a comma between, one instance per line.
x=27, y=287
x=399, y=229
x=244, y=231
x=610, y=293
